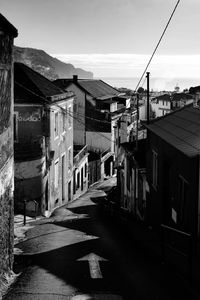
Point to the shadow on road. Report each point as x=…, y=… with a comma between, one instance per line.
x=125, y=267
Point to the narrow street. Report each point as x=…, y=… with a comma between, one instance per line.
x=89, y=256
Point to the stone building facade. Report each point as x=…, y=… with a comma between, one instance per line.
x=7, y=34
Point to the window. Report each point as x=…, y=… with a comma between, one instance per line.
x=70, y=116
x=56, y=124
x=155, y=169
x=15, y=126
x=63, y=122
x=69, y=159
x=85, y=170
x=56, y=173
x=183, y=187
x=78, y=181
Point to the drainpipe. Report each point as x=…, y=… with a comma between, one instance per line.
x=85, y=120
x=137, y=119
x=198, y=204
x=147, y=76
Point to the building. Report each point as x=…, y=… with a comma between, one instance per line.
x=161, y=105
x=179, y=100
x=166, y=103
x=7, y=34
x=43, y=134
x=131, y=178
x=80, y=171
x=173, y=175
x=97, y=108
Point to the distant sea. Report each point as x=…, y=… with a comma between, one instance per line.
x=157, y=84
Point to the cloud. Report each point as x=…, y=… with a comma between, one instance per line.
x=127, y=65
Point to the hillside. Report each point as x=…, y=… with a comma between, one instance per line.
x=48, y=66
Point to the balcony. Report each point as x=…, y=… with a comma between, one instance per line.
x=80, y=151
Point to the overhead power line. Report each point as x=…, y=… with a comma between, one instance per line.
x=163, y=33
x=65, y=111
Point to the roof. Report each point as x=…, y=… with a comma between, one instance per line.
x=96, y=88
x=35, y=83
x=164, y=97
x=182, y=96
x=180, y=129
x=6, y=26
x=23, y=95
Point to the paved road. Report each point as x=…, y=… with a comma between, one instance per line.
x=91, y=257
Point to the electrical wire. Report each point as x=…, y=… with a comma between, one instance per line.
x=161, y=37
x=65, y=111
x=163, y=33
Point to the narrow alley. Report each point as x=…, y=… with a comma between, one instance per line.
x=81, y=254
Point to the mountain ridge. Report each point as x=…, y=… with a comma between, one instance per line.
x=47, y=65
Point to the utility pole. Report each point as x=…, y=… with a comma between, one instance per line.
x=147, y=76
x=137, y=119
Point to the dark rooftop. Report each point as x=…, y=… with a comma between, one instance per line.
x=164, y=97
x=181, y=96
x=35, y=83
x=180, y=129
x=6, y=26
x=96, y=88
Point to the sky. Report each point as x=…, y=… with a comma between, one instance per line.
x=112, y=38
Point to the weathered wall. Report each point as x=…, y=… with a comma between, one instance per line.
x=82, y=168
x=166, y=196
x=30, y=184
x=60, y=146
x=6, y=154
x=79, y=114
x=29, y=122
x=98, y=141
x=30, y=164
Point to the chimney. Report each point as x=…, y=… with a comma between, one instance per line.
x=75, y=78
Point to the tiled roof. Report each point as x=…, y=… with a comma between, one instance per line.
x=33, y=81
x=63, y=83
x=5, y=25
x=96, y=88
x=181, y=96
x=180, y=129
x=164, y=97
x=22, y=95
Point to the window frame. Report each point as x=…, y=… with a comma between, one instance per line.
x=155, y=169
x=56, y=124
x=70, y=165
x=182, y=195
x=70, y=117
x=56, y=174
x=15, y=126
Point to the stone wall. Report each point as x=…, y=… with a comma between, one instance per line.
x=6, y=153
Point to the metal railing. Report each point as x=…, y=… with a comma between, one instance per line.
x=178, y=243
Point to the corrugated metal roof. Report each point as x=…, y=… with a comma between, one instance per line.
x=34, y=81
x=181, y=96
x=7, y=26
x=164, y=97
x=180, y=129
x=98, y=88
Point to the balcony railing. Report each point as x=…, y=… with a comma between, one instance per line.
x=79, y=152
